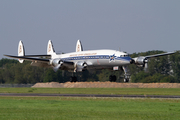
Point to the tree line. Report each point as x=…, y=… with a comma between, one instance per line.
x=160, y=69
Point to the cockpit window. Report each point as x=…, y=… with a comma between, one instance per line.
x=124, y=55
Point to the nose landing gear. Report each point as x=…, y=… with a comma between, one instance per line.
x=126, y=78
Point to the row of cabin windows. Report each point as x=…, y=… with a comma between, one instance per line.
x=93, y=57
x=88, y=57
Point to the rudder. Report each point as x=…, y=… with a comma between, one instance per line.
x=50, y=48
x=21, y=51
x=79, y=47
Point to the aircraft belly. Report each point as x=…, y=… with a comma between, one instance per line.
x=99, y=64
x=96, y=64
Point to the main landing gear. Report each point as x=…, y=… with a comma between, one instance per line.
x=73, y=79
x=112, y=78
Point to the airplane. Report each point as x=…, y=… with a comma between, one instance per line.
x=80, y=60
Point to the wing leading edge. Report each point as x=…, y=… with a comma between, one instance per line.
x=44, y=62
x=48, y=56
x=158, y=55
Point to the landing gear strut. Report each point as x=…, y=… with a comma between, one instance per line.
x=73, y=79
x=112, y=78
x=127, y=74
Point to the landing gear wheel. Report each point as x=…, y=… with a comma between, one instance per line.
x=112, y=78
x=126, y=80
x=73, y=79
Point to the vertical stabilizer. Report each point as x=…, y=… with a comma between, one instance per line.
x=79, y=47
x=50, y=48
x=21, y=51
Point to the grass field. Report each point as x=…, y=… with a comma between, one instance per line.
x=64, y=108
x=79, y=108
x=114, y=91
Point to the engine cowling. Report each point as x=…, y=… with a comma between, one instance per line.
x=141, y=61
x=80, y=66
x=56, y=63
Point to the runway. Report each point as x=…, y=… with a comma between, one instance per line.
x=87, y=95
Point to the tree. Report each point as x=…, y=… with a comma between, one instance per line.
x=104, y=75
x=50, y=76
x=160, y=69
x=175, y=61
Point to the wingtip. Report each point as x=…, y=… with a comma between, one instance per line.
x=5, y=55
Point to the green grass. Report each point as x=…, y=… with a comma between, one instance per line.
x=65, y=108
x=77, y=108
x=114, y=91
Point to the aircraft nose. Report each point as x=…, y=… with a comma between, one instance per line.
x=132, y=61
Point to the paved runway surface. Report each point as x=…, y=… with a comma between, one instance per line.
x=87, y=95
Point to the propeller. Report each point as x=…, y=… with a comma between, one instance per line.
x=142, y=62
x=57, y=63
x=56, y=68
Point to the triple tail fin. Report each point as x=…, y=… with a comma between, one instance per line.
x=50, y=48
x=79, y=47
x=21, y=51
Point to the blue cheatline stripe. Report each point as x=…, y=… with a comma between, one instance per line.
x=96, y=57
x=124, y=58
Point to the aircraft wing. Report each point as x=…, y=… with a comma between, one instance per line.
x=29, y=58
x=143, y=60
x=158, y=55
x=37, y=56
x=44, y=62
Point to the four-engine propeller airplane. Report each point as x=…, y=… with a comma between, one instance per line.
x=81, y=60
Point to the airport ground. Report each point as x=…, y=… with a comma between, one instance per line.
x=83, y=108
x=98, y=108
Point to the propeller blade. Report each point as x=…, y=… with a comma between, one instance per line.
x=146, y=67
x=56, y=68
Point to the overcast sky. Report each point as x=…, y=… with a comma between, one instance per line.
x=131, y=25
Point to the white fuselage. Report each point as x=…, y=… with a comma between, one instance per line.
x=96, y=59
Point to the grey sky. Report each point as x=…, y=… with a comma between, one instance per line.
x=132, y=25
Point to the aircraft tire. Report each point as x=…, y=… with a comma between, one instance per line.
x=126, y=80
x=73, y=79
x=112, y=78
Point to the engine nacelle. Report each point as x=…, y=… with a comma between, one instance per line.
x=140, y=61
x=80, y=66
x=55, y=62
